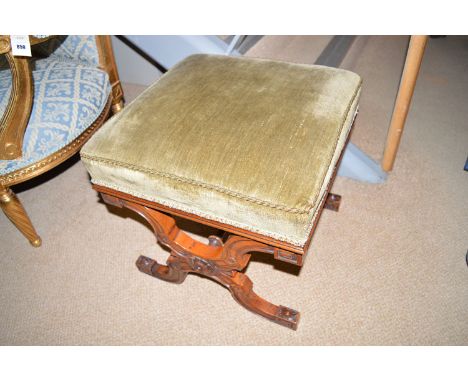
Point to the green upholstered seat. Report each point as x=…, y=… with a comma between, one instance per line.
x=247, y=142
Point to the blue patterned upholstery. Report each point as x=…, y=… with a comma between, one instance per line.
x=68, y=98
x=5, y=89
x=81, y=48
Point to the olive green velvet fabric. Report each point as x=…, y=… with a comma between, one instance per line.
x=247, y=142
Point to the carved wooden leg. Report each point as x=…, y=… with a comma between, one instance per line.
x=13, y=208
x=217, y=260
x=241, y=288
x=171, y=272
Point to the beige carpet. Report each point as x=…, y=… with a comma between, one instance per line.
x=389, y=268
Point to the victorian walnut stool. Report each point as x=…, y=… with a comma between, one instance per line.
x=244, y=145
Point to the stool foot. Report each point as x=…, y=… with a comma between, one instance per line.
x=167, y=273
x=241, y=288
x=332, y=202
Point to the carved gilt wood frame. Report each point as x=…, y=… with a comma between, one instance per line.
x=15, y=120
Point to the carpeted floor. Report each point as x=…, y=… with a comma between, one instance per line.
x=388, y=269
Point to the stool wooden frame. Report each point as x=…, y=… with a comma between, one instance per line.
x=223, y=258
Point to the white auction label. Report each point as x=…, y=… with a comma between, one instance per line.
x=20, y=45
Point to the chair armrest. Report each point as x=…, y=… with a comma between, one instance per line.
x=14, y=121
x=107, y=63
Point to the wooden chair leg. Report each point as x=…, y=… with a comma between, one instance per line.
x=403, y=100
x=14, y=210
x=217, y=260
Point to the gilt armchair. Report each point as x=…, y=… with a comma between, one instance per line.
x=50, y=105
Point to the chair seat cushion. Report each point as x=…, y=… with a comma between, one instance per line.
x=246, y=142
x=68, y=98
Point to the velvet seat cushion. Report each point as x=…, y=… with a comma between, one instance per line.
x=247, y=142
x=68, y=98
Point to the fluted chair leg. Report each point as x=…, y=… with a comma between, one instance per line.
x=14, y=210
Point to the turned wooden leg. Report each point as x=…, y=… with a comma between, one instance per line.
x=408, y=79
x=13, y=208
x=217, y=260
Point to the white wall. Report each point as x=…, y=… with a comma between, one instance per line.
x=131, y=66
x=167, y=50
